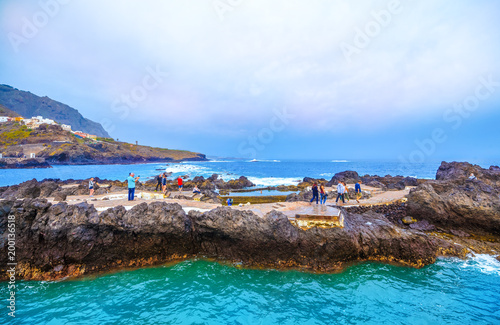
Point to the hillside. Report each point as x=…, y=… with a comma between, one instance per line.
x=57, y=146
x=27, y=105
x=4, y=111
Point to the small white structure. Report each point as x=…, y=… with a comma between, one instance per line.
x=4, y=119
x=41, y=120
x=66, y=127
x=32, y=155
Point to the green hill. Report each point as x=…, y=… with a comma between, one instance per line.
x=62, y=147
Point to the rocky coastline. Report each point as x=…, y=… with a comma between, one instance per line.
x=449, y=216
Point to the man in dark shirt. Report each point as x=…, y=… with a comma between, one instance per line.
x=357, y=189
x=315, y=192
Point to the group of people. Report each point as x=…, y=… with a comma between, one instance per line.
x=342, y=193
x=162, y=182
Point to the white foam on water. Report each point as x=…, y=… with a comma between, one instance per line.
x=185, y=168
x=487, y=264
x=340, y=161
x=274, y=181
x=263, y=160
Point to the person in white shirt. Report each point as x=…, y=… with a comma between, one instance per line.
x=340, y=193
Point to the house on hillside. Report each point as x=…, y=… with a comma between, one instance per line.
x=41, y=120
x=4, y=119
x=66, y=127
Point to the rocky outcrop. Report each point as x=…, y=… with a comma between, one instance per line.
x=455, y=202
x=460, y=171
x=11, y=163
x=60, y=240
x=348, y=176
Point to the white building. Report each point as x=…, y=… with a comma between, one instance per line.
x=66, y=127
x=4, y=119
x=41, y=120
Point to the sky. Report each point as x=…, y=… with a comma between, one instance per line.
x=285, y=79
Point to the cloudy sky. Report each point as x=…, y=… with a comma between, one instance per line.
x=329, y=79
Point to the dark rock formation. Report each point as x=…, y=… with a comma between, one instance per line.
x=455, y=202
x=304, y=196
x=348, y=176
x=11, y=163
x=60, y=240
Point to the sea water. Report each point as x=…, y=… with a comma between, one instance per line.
x=262, y=173
x=451, y=291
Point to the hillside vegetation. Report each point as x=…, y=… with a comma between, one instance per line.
x=62, y=147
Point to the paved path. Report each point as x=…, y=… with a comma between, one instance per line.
x=106, y=201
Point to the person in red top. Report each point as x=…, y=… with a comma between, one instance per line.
x=179, y=182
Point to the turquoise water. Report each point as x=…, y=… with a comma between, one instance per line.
x=265, y=173
x=451, y=291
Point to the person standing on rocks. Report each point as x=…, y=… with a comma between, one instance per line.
x=340, y=193
x=323, y=194
x=131, y=185
x=91, y=186
x=179, y=182
x=164, y=184
x=315, y=193
x=346, y=192
x=357, y=190
x=159, y=182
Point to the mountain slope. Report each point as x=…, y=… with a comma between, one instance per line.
x=27, y=105
x=58, y=147
x=4, y=111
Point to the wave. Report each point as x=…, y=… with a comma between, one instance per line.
x=274, y=181
x=185, y=168
x=220, y=161
x=485, y=263
x=263, y=160
x=340, y=161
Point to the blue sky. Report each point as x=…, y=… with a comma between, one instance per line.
x=260, y=79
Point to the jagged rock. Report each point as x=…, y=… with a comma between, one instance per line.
x=60, y=196
x=422, y=225
x=84, y=241
x=458, y=203
x=304, y=196
x=348, y=176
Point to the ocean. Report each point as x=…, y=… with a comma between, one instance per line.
x=262, y=173
x=451, y=291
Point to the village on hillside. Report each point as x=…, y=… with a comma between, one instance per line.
x=36, y=121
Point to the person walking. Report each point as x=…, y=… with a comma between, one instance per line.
x=131, y=185
x=315, y=193
x=164, y=184
x=340, y=193
x=357, y=190
x=91, y=186
x=179, y=182
x=323, y=194
x=346, y=192
x=159, y=179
